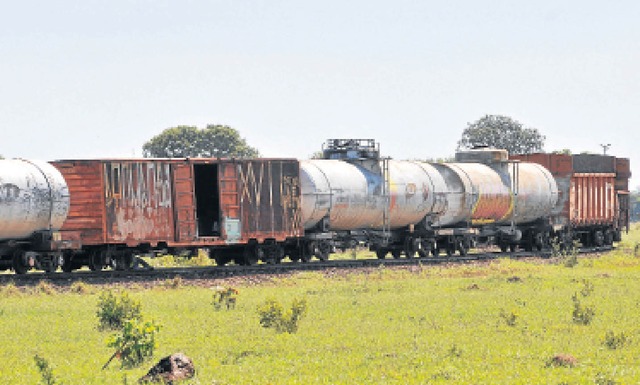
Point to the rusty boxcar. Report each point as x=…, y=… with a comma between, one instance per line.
x=243, y=210
x=593, y=195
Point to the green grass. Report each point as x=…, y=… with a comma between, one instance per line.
x=494, y=323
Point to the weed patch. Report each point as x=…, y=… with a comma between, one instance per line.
x=114, y=311
x=44, y=287
x=613, y=340
x=80, y=288
x=581, y=314
x=273, y=315
x=135, y=342
x=224, y=297
x=46, y=371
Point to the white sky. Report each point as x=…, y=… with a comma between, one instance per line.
x=90, y=78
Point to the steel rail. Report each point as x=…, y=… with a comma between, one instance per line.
x=221, y=272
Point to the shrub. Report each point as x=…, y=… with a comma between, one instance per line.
x=10, y=289
x=614, y=341
x=567, y=255
x=224, y=296
x=114, y=311
x=582, y=315
x=173, y=283
x=603, y=379
x=587, y=288
x=79, y=288
x=273, y=315
x=46, y=372
x=510, y=318
x=135, y=342
x=44, y=287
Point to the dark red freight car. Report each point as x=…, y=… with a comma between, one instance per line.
x=242, y=210
x=593, y=195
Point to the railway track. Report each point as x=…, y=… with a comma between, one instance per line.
x=220, y=272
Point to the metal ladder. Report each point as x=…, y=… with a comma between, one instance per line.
x=386, y=214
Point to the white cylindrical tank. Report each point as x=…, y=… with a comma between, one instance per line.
x=352, y=194
x=33, y=196
x=537, y=192
x=483, y=194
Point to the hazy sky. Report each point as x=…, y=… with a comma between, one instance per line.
x=91, y=78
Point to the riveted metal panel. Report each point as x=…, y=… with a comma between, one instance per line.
x=184, y=202
x=593, y=199
x=592, y=163
x=623, y=173
x=85, y=221
x=268, y=198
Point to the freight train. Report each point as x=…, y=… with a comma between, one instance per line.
x=103, y=212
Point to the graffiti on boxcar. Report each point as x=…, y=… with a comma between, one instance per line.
x=290, y=193
x=139, y=204
x=146, y=185
x=252, y=181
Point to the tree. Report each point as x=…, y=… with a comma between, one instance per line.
x=501, y=132
x=214, y=141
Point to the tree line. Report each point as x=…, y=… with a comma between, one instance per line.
x=223, y=141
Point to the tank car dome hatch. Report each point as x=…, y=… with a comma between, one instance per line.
x=486, y=155
x=351, y=149
x=34, y=196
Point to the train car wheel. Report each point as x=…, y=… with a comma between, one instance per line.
x=425, y=247
x=305, y=257
x=411, y=246
x=396, y=253
x=67, y=264
x=293, y=252
x=51, y=267
x=96, y=263
x=598, y=238
x=124, y=261
x=323, y=250
x=381, y=252
x=274, y=254
x=463, y=249
x=19, y=265
x=513, y=247
x=252, y=255
x=435, y=251
x=538, y=241
x=608, y=238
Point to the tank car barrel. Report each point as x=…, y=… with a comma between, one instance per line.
x=33, y=197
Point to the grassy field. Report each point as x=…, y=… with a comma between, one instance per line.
x=492, y=323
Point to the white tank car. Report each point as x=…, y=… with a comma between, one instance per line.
x=476, y=190
x=483, y=188
x=351, y=194
x=33, y=197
